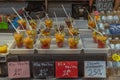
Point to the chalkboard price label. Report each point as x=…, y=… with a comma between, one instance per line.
x=2, y=58
x=95, y=69
x=66, y=69
x=18, y=69
x=43, y=69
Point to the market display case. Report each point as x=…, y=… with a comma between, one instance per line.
x=68, y=52
x=60, y=54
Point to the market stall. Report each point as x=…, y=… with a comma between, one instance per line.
x=60, y=48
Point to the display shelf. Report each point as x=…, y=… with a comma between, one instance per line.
x=70, y=56
x=91, y=47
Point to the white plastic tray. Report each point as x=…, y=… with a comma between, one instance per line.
x=56, y=50
x=88, y=45
x=80, y=24
x=5, y=38
x=14, y=50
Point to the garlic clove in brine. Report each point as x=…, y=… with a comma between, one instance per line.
x=112, y=46
x=101, y=26
x=109, y=18
x=117, y=45
x=104, y=18
x=116, y=18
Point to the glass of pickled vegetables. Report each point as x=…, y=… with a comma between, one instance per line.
x=45, y=32
x=18, y=39
x=32, y=34
x=73, y=42
x=45, y=42
x=33, y=24
x=73, y=31
x=69, y=22
x=60, y=39
x=101, y=40
x=61, y=28
x=22, y=24
x=28, y=42
x=48, y=23
x=94, y=35
x=91, y=23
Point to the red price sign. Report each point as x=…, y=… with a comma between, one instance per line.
x=66, y=69
x=18, y=69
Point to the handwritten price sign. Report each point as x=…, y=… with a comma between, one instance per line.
x=43, y=69
x=104, y=5
x=18, y=69
x=95, y=69
x=66, y=69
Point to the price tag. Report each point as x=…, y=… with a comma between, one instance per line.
x=18, y=69
x=43, y=69
x=2, y=58
x=104, y=5
x=95, y=69
x=66, y=69
x=116, y=57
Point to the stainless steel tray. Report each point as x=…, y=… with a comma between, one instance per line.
x=88, y=45
x=56, y=50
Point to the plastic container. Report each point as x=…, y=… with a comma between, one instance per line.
x=3, y=25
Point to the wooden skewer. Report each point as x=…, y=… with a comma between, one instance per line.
x=57, y=22
x=27, y=22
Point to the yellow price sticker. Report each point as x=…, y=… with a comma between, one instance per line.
x=116, y=57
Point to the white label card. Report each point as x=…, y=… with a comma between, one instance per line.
x=95, y=69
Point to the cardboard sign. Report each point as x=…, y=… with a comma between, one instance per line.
x=66, y=69
x=95, y=69
x=43, y=69
x=18, y=69
x=104, y=5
